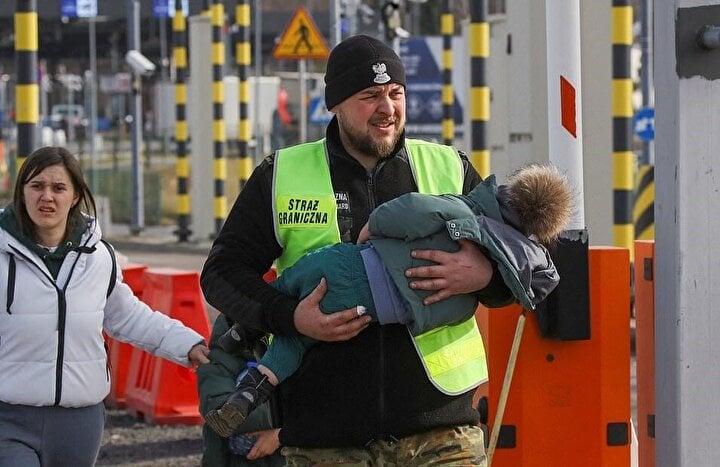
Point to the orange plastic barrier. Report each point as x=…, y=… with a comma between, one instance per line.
x=119, y=352
x=159, y=391
x=569, y=401
x=645, y=349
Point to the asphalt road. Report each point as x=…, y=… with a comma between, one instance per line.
x=190, y=261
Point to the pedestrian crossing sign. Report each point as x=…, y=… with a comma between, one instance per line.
x=301, y=39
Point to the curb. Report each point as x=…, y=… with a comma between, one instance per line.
x=160, y=240
x=159, y=245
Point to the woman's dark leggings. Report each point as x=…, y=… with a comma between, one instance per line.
x=50, y=436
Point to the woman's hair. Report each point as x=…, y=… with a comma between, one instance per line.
x=39, y=160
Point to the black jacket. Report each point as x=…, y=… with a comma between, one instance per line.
x=348, y=393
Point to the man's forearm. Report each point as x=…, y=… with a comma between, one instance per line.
x=496, y=293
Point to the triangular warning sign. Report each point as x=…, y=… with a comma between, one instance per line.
x=301, y=39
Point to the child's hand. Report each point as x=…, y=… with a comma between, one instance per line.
x=365, y=234
x=198, y=355
x=268, y=442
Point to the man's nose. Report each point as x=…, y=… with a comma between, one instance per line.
x=385, y=105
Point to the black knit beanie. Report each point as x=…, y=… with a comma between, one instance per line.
x=357, y=63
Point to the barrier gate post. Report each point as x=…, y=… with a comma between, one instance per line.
x=569, y=403
x=645, y=349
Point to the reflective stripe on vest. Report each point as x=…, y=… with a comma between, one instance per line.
x=453, y=355
x=305, y=219
x=304, y=206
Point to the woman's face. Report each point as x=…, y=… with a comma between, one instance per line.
x=48, y=199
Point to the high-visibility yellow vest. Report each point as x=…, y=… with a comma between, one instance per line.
x=305, y=218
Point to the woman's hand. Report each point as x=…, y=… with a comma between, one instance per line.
x=267, y=443
x=198, y=355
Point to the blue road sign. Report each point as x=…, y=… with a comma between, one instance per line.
x=644, y=123
x=78, y=8
x=424, y=90
x=166, y=8
x=319, y=115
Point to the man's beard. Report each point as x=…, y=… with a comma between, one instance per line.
x=363, y=143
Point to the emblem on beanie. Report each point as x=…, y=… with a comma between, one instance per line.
x=381, y=76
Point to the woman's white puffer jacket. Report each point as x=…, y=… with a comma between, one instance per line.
x=51, y=344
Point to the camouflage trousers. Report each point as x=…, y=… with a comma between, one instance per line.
x=457, y=446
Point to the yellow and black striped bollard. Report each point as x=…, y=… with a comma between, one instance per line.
x=26, y=88
x=447, y=28
x=242, y=58
x=182, y=170
x=623, y=156
x=217, y=20
x=479, y=90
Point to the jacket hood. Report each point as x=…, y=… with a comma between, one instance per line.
x=493, y=201
x=483, y=199
x=84, y=231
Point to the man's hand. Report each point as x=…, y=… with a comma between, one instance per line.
x=339, y=326
x=364, y=234
x=465, y=271
x=268, y=441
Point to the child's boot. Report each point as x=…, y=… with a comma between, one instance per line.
x=252, y=390
x=244, y=341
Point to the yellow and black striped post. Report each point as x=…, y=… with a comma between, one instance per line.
x=644, y=210
x=217, y=20
x=623, y=156
x=479, y=90
x=242, y=58
x=182, y=170
x=27, y=96
x=447, y=28
x=206, y=8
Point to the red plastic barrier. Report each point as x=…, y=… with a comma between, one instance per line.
x=270, y=275
x=119, y=352
x=159, y=391
x=645, y=349
x=134, y=277
x=569, y=402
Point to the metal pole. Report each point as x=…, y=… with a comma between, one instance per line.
x=303, y=107
x=447, y=29
x=71, y=101
x=44, y=104
x=623, y=156
x=164, y=69
x=217, y=20
x=258, y=73
x=242, y=51
x=181, y=128
x=480, y=91
x=335, y=32
x=133, y=33
x=164, y=79
x=93, y=105
x=26, y=88
x=646, y=73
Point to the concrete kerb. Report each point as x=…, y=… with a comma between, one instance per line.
x=155, y=238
